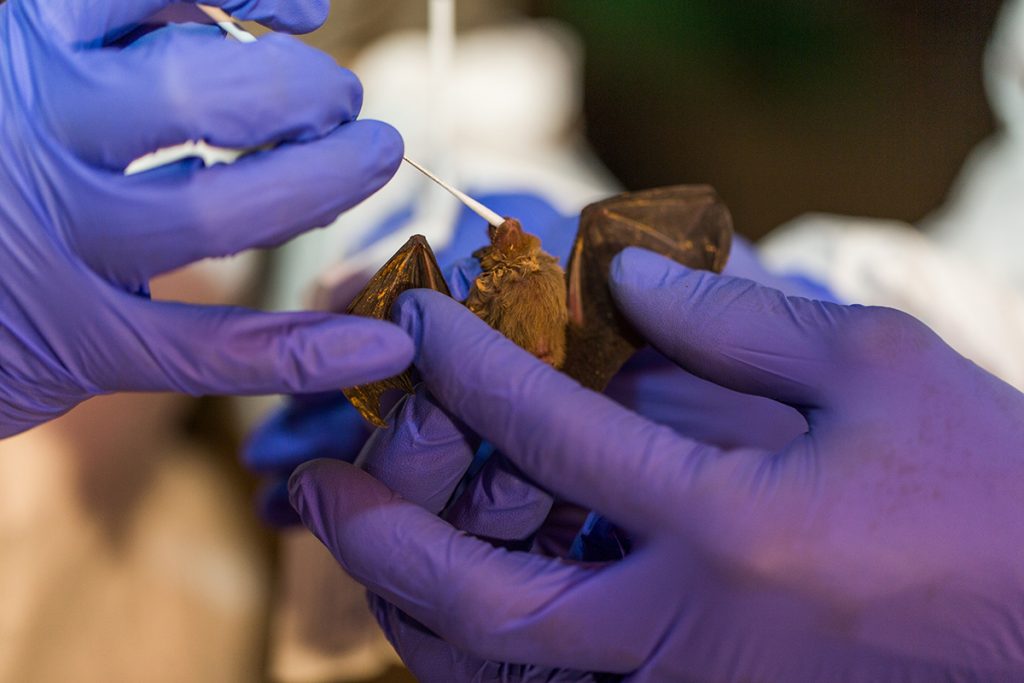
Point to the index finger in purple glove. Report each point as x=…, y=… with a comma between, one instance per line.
x=202, y=350
x=732, y=337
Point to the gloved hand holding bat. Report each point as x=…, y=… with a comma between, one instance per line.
x=328, y=426
x=884, y=544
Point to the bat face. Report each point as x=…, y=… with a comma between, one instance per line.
x=566, y=319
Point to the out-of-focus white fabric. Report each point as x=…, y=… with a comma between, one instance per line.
x=983, y=219
x=888, y=263
x=962, y=270
x=984, y=216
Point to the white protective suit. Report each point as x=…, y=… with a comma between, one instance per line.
x=961, y=270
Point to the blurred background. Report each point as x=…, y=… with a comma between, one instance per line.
x=130, y=546
x=864, y=108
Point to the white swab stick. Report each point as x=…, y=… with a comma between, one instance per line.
x=492, y=217
x=227, y=24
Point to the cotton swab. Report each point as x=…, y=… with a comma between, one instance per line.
x=227, y=24
x=492, y=217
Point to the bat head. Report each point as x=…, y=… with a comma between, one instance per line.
x=521, y=292
x=509, y=244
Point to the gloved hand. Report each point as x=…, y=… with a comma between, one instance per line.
x=329, y=427
x=883, y=545
x=79, y=241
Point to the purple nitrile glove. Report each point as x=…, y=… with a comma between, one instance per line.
x=79, y=241
x=886, y=544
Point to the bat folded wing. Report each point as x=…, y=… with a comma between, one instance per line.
x=414, y=266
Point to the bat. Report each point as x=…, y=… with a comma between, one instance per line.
x=566, y=318
x=521, y=292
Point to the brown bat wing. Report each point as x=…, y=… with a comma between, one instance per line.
x=687, y=223
x=412, y=267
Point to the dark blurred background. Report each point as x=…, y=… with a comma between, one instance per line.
x=786, y=106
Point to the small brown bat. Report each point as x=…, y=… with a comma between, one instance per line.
x=522, y=292
x=567, y=320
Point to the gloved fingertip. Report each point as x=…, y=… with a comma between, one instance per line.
x=347, y=509
x=343, y=483
x=409, y=309
x=387, y=141
x=305, y=489
x=425, y=421
x=640, y=280
x=304, y=481
x=407, y=313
